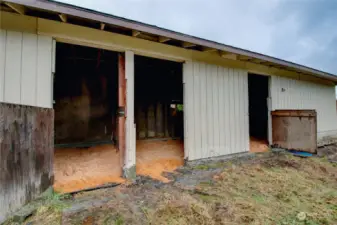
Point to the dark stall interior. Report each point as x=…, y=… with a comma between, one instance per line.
x=85, y=104
x=158, y=98
x=258, y=92
x=158, y=116
x=85, y=94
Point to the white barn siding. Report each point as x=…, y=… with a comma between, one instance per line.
x=25, y=69
x=289, y=93
x=216, y=110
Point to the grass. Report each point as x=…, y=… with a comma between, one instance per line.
x=268, y=192
x=277, y=190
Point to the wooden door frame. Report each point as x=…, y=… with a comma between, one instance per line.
x=121, y=108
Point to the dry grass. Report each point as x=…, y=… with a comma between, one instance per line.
x=264, y=191
x=270, y=191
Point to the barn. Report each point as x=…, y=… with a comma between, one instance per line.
x=89, y=99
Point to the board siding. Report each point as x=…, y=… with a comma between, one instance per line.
x=216, y=110
x=26, y=65
x=26, y=155
x=294, y=94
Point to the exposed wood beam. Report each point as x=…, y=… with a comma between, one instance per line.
x=17, y=8
x=164, y=39
x=63, y=18
x=102, y=26
x=188, y=45
x=205, y=49
x=229, y=55
x=244, y=58
x=135, y=33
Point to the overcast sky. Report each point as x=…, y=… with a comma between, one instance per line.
x=301, y=31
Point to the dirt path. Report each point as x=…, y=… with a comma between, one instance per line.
x=268, y=189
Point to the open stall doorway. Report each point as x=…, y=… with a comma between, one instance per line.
x=159, y=116
x=258, y=91
x=85, y=104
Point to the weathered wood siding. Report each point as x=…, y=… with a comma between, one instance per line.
x=297, y=94
x=215, y=110
x=26, y=154
x=26, y=69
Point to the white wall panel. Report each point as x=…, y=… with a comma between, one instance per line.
x=216, y=110
x=25, y=69
x=13, y=67
x=29, y=66
x=295, y=94
x=44, y=76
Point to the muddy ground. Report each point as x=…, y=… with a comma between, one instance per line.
x=270, y=188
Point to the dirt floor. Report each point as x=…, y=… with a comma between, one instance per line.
x=257, y=145
x=76, y=169
x=156, y=157
x=268, y=188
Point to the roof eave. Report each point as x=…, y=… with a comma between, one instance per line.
x=67, y=9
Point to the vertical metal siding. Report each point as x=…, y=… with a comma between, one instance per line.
x=289, y=93
x=216, y=110
x=25, y=69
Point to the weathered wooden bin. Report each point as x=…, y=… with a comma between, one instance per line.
x=295, y=130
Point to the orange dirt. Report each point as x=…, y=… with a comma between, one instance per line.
x=257, y=145
x=77, y=169
x=155, y=157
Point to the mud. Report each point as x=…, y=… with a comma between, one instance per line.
x=77, y=169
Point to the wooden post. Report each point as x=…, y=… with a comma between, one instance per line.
x=151, y=121
x=159, y=120
x=121, y=107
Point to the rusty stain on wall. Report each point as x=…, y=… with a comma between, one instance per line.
x=26, y=154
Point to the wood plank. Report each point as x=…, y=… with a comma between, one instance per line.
x=17, y=8
x=135, y=33
x=63, y=18
x=29, y=70
x=163, y=39
x=151, y=121
x=26, y=155
x=3, y=35
x=121, y=105
x=159, y=120
x=102, y=26
x=294, y=113
x=44, y=82
x=188, y=45
x=13, y=67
